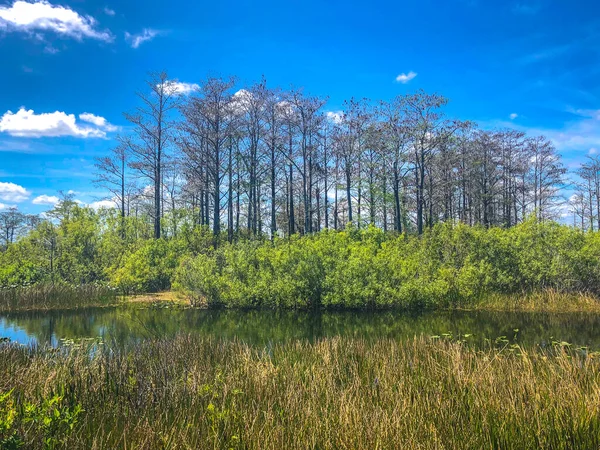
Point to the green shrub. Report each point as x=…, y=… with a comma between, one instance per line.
x=149, y=268
x=448, y=266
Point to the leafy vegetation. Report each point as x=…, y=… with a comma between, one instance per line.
x=447, y=266
x=191, y=392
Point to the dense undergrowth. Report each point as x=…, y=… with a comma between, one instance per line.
x=193, y=392
x=448, y=266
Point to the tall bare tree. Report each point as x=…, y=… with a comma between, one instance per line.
x=152, y=134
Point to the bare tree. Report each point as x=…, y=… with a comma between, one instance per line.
x=152, y=134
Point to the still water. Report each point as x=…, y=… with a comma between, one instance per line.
x=127, y=324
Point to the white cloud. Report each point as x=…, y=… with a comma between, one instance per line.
x=406, y=77
x=43, y=16
x=578, y=135
x=334, y=116
x=3, y=206
x=102, y=204
x=49, y=200
x=136, y=40
x=99, y=121
x=180, y=88
x=12, y=192
x=593, y=151
x=26, y=123
x=109, y=12
x=513, y=116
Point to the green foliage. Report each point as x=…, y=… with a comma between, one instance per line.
x=447, y=266
x=49, y=422
x=148, y=269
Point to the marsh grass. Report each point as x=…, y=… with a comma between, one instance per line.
x=547, y=300
x=43, y=297
x=193, y=392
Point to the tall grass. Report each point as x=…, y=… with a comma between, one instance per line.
x=55, y=296
x=547, y=300
x=191, y=392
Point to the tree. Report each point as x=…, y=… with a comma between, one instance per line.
x=12, y=223
x=210, y=121
x=547, y=175
x=152, y=134
x=428, y=129
x=589, y=172
x=111, y=175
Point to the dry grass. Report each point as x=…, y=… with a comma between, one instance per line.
x=192, y=392
x=158, y=297
x=549, y=300
x=45, y=297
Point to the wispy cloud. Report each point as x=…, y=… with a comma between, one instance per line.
x=527, y=8
x=42, y=16
x=545, y=54
x=147, y=34
x=26, y=123
x=513, y=116
x=406, y=77
x=576, y=137
x=108, y=11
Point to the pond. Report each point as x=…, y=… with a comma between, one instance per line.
x=125, y=324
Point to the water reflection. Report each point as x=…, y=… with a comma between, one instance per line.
x=125, y=324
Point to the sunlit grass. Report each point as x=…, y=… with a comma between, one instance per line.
x=55, y=296
x=549, y=300
x=192, y=392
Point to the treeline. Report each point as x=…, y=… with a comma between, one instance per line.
x=256, y=161
x=262, y=160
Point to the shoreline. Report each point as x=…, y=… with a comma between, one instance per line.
x=549, y=301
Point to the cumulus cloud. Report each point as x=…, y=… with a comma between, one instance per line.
x=135, y=40
x=103, y=204
x=12, y=192
x=43, y=16
x=99, y=121
x=49, y=200
x=513, y=116
x=26, y=123
x=334, y=116
x=180, y=88
x=406, y=77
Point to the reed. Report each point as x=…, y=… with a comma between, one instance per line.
x=55, y=296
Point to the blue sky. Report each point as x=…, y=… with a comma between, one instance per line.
x=71, y=67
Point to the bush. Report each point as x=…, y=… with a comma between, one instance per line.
x=448, y=266
x=149, y=268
